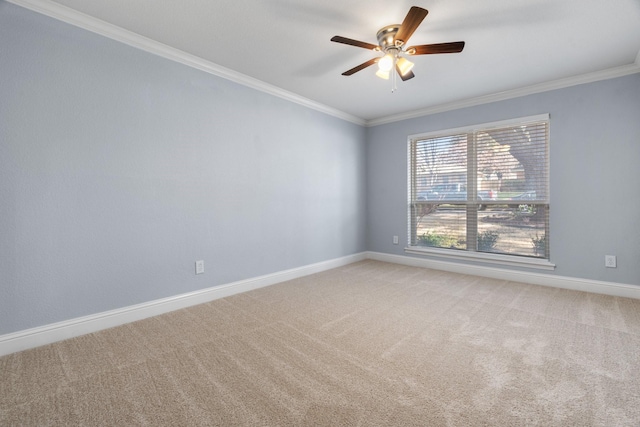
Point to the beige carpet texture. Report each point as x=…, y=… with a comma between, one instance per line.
x=367, y=344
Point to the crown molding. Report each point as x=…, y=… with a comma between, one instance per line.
x=515, y=93
x=97, y=26
x=89, y=23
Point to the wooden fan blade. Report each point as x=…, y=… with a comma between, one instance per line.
x=356, y=43
x=410, y=24
x=361, y=67
x=427, y=49
x=407, y=76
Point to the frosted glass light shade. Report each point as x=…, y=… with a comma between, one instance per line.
x=383, y=74
x=386, y=63
x=404, y=66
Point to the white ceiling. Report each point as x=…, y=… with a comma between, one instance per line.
x=510, y=44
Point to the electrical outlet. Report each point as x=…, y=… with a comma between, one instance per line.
x=610, y=261
x=200, y=267
x=395, y=240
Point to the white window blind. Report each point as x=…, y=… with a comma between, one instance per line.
x=482, y=190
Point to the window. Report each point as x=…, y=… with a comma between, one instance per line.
x=482, y=192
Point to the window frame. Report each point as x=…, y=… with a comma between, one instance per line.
x=473, y=255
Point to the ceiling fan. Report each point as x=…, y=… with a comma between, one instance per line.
x=392, y=41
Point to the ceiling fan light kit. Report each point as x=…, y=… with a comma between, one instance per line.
x=386, y=62
x=404, y=65
x=383, y=74
x=392, y=41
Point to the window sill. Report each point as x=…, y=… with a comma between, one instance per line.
x=505, y=260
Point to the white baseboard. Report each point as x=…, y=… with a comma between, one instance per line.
x=576, y=284
x=30, y=338
x=35, y=337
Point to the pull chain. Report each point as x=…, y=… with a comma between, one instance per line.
x=394, y=77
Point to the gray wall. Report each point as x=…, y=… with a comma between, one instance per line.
x=119, y=169
x=595, y=153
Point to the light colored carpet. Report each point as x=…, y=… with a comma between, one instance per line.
x=368, y=344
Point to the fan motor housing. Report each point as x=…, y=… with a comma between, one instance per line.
x=386, y=36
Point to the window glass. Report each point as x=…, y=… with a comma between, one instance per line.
x=483, y=190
